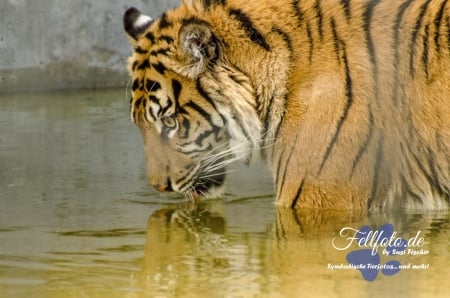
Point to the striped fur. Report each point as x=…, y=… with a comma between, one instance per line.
x=349, y=101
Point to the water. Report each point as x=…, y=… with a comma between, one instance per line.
x=77, y=219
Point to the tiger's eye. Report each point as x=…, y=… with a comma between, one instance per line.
x=169, y=121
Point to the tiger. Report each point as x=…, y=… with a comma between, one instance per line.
x=347, y=101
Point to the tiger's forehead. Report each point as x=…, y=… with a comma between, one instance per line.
x=149, y=68
x=151, y=48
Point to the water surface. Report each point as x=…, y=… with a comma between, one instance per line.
x=77, y=219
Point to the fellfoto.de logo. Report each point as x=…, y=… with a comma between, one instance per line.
x=366, y=247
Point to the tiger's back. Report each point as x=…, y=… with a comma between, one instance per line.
x=349, y=100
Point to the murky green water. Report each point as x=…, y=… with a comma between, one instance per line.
x=77, y=219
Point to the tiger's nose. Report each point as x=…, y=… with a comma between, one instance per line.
x=163, y=187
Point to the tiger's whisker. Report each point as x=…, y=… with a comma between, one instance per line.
x=222, y=154
x=217, y=166
x=189, y=196
x=214, y=175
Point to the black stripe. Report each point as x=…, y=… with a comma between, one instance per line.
x=412, y=43
x=310, y=42
x=318, y=10
x=198, y=142
x=194, y=151
x=166, y=38
x=164, y=110
x=140, y=50
x=138, y=102
x=249, y=28
x=200, y=110
x=208, y=3
x=376, y=176
x=162, y=51
x=176, y=87
x=144, y=65
x=365, y=145
x=159, y=67
x=297, y=196
x=437, y=24
x=348, y=104
x=150, y=37
x=189, y=174
x=395, y=45
x=169, y=186
x=201, y=137
x=152, y=86
x=150, y=110
x=370, y=45
x=347, y=10
x=154, y=99
x=425, y=51
x=196, y=21
x=135, y=65
x=187, y=126
x=336, y=41
x=164, y=22
x=286, y=38
x=277, y=130
x=205, y=95
x=152, y=114
x=448, y=33
x=136, y=84
x=144, y=103
x=298, y=11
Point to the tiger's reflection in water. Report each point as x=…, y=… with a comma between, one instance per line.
x=196, y=252
x=203, y=251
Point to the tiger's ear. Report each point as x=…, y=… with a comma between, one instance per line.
x=199, y=46
x=135, y=23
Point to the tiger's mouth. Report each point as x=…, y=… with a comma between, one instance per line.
x=209, y=183
x=211, y=186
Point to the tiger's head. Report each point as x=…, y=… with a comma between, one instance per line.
x=196, y=111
